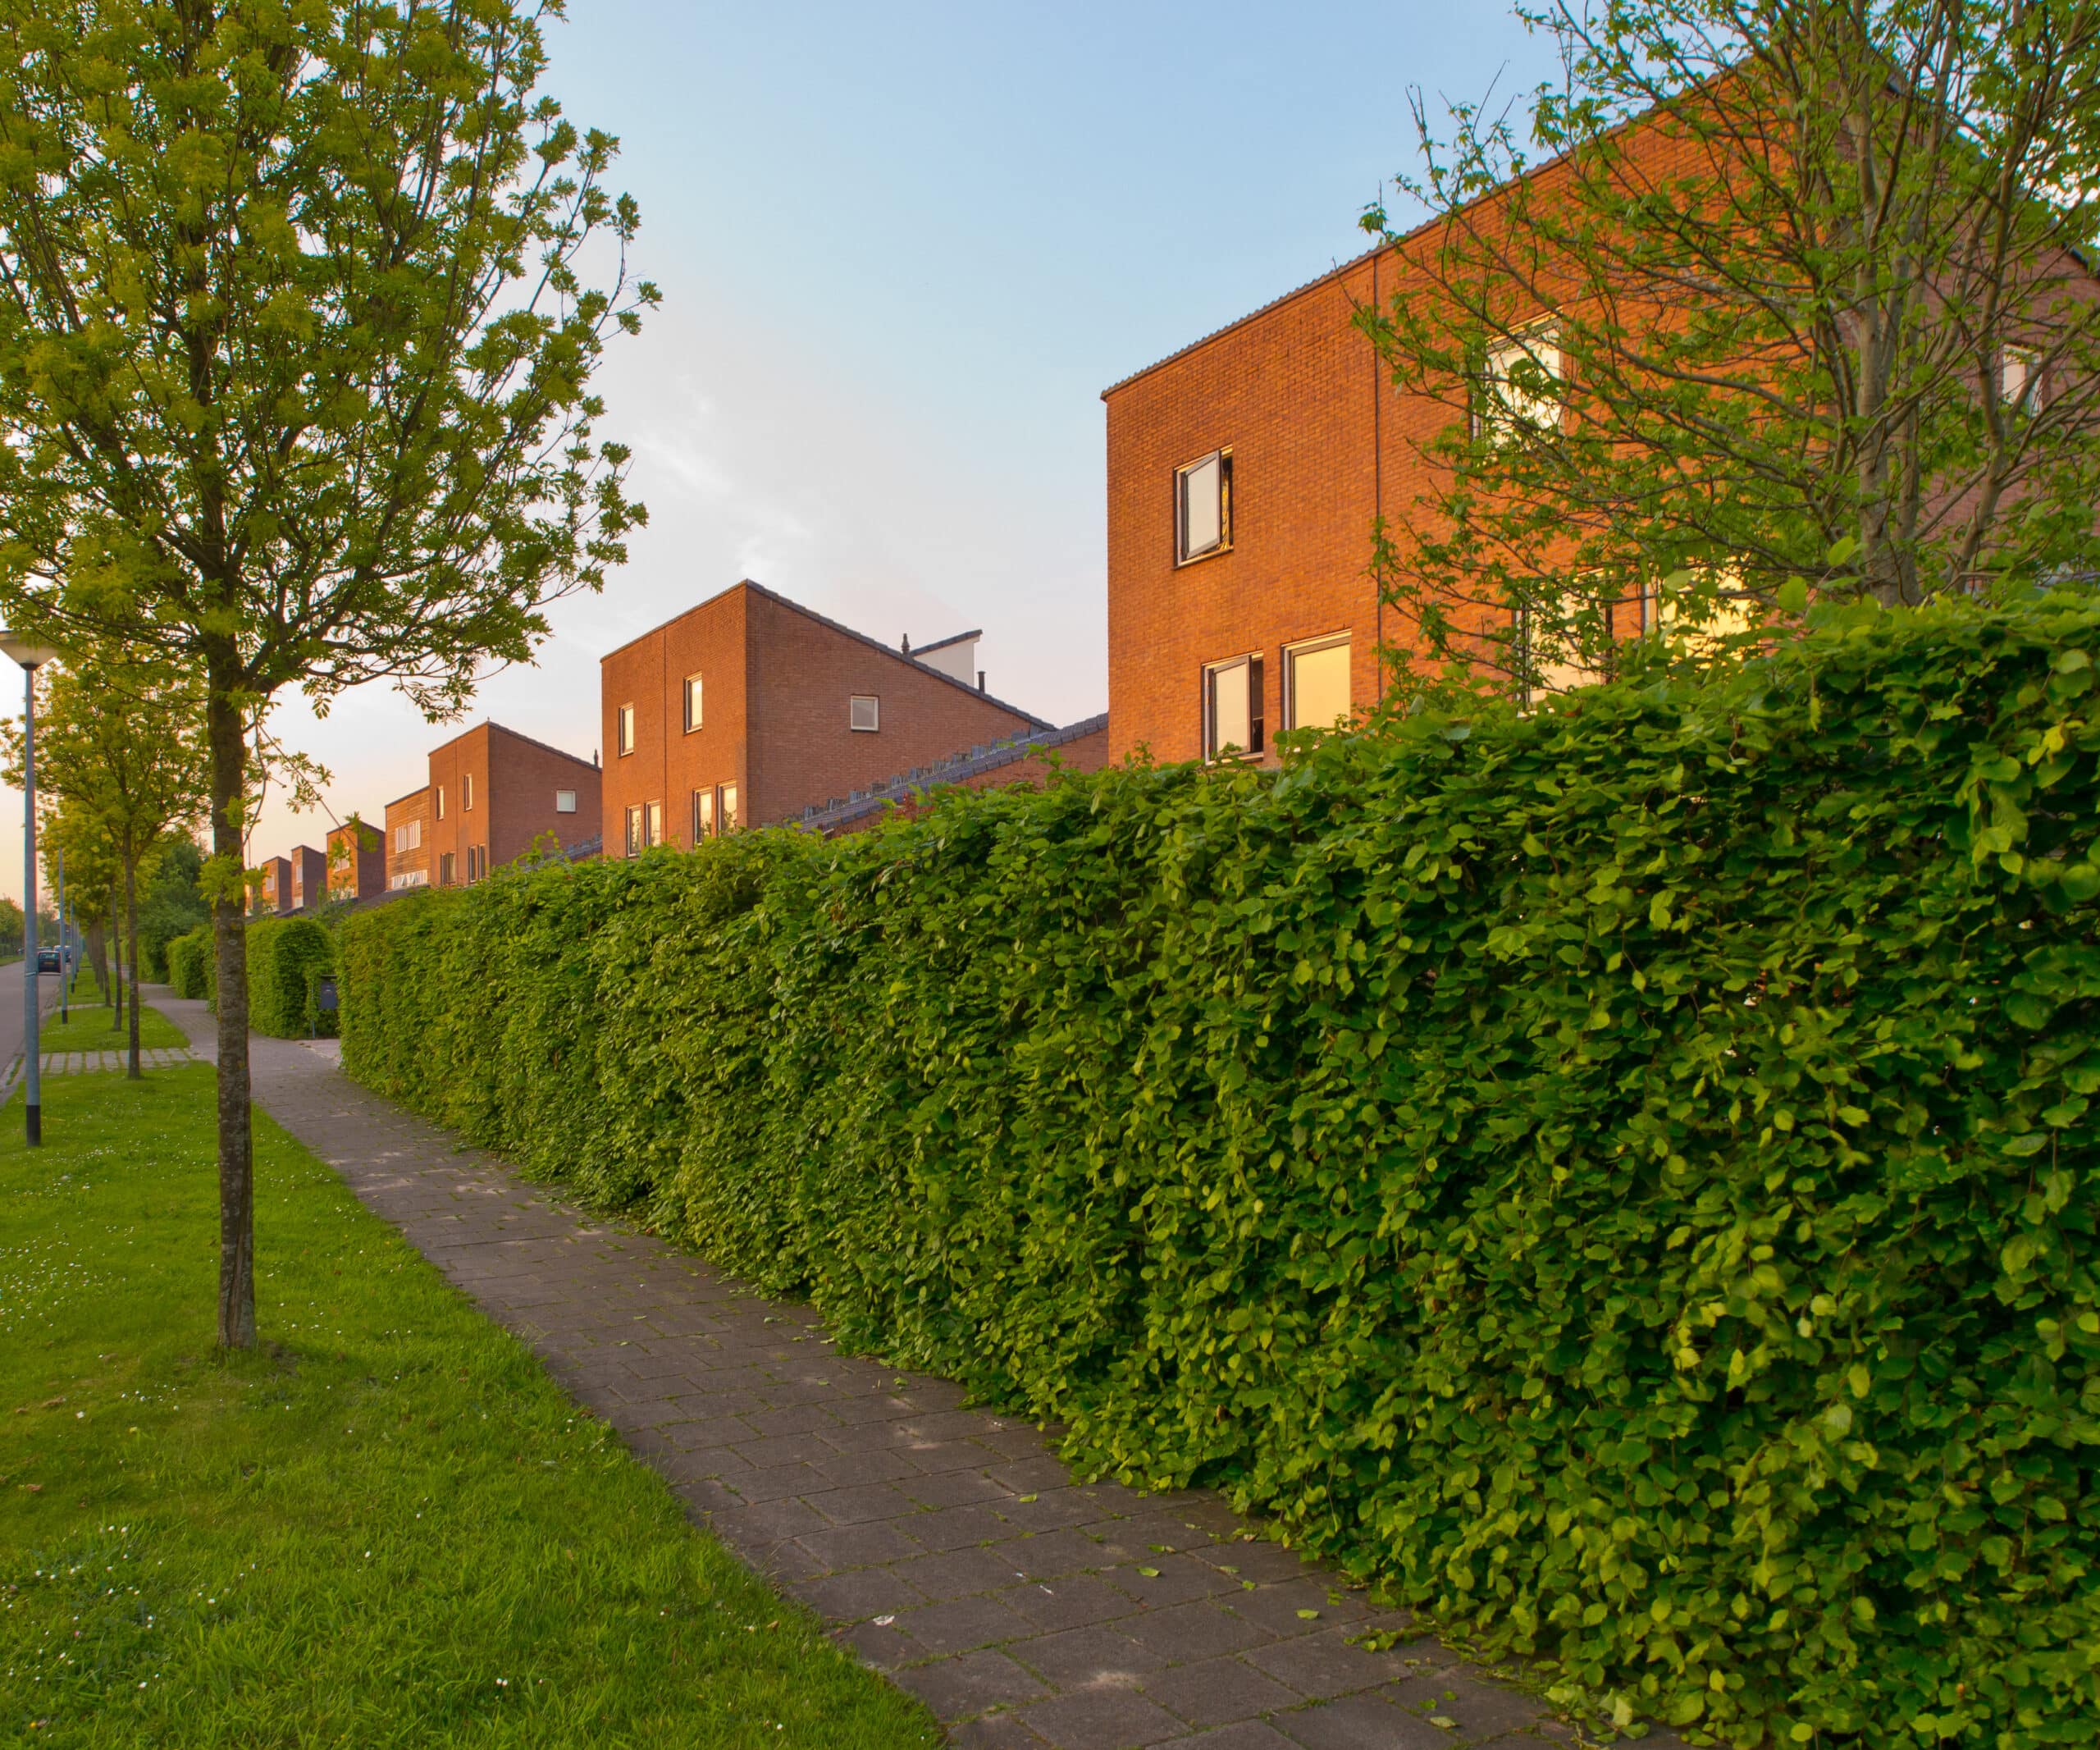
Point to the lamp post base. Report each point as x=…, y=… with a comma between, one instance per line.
x=35, y=1124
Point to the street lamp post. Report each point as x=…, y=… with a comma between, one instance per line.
x=32, y=655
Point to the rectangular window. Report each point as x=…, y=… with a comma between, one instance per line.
x=441, y=802
x=564, y=802
x=467, y=790
x=1519, y=384
x=626, y=729
x=2017, y=375
x=407, y=837
x=726, y=810
x=1203, y=507
x=652, y=824
x=1232, y=707
x=444, y=867
x=703, y=815
x=1316, y=684
x=863, y=714
x=634, y=832
x=693, y=703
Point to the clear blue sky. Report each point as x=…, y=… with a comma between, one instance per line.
x=902, y=249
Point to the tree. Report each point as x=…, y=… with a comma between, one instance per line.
x=122, y=744
x=11, y=940
x=1779, y=290
x=173, y=904
x=296, y=351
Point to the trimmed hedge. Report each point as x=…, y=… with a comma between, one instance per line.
x=191, y=969
x=1623, y=1176
x=282, y=953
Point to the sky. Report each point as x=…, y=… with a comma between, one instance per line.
x=902, y=250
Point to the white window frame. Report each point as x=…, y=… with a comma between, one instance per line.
x=1184, y=554
x=466, y=793
x=727, y=818
x=652, y=824
x=873, y=714
x=2025, y=363
x=1500, y=412
x=634, y=829
x=1255, y=684
x=623, y=730
x=1308, y=648
x=440, y=794
x=695, y=702
x=703, y=815
x=567, y=806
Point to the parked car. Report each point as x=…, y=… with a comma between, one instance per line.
x=48, y=961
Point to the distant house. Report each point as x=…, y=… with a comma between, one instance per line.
x=309, y=878
x=750, y=709
x=275, y=894
x=492, y=795
x=356, y=861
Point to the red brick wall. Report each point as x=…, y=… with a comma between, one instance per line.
x=523, y=776
x=802, y=750
x=357, y=870
x=669, y=763
x=276, y=895
x=310, y=876
x=413, y=806
x=451, y=827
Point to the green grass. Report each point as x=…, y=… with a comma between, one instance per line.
x=91, y=1026
x=390, y=1528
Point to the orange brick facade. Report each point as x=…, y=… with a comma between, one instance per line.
x=775, y=686
x=408, y=840
x=493, y=794
x=356, y=861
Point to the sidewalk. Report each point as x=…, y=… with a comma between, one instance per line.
x=951, y=1548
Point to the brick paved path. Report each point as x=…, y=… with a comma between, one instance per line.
x=950, y=1548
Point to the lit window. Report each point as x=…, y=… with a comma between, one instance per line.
x=652, y=824
x=2018, y=374
x=1203, y=507
x=727, y=811
x=467, y=790
x=1316, y=684
x=441, y=802
x=564, y=802
x=1232, y=707
x=703, y=815
x=693, y=703
x=1548, y=663
x=634, y=832
x=863, y=714
x=626, y=735
x=1519, y=384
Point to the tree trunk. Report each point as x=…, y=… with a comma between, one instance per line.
x=98, y=960
x=229, y=745
x=117, y=976
x=131, y=956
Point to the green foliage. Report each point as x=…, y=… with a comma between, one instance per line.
x=171, y=905
x=191, y=969
x=1622, y=1177
x=283, y=954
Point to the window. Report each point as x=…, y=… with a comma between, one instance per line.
x=1547, y=661
x=441, y=802
x=863, y=714
x=2018, y=377
x=726, y=808
x=1699, y=618
x=693, y=703
x=652, y=824
x=1519, y=385
x=477, y=863
x=407, y=837
x=625, y=731
x=467, y=790
x=564, y=802
x=1316, y=684
x=1232, y=707
x=444, y=867
x=1203, y=507
x=703, y=815
x=634, y=832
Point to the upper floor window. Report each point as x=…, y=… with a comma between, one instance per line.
x=1519, y=384
x=864, y=712
x=624, y=737
x=564, y=802
x=2019, y=377
x=409, y=836
x=1232, y=707
x=467, y=790
x=693, y=701
x=1316, y=684
x=441, y=802
x=1203, y=507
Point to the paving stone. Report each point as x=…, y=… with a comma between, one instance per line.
x=881, y=1501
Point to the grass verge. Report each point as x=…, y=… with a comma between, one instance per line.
x=390, y=1528
x=92, y=1026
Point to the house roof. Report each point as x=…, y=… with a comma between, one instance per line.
x=828, y=817
x=953, y=638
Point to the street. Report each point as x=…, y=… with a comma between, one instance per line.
x=11, y=1009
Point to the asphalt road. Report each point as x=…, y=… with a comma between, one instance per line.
x=11, y=1008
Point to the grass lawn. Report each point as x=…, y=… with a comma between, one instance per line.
x=390, y=1528
x=92, y=1026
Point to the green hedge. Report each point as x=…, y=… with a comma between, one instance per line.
x=1624, y=1176
x=282, y=953
x=191, y=964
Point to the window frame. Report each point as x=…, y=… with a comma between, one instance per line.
x=694, y=691
x=2029, y=363
x=727, y=815
x=703, y=814
x=447, y=868
x=1257, y=685
x=652, y=825
x=623, y=731
x=559, y=794
x=634, y=845
x=1183, y=555
x=466, y=792
x=1523, y=345
x=1343, y=640
x=855, y=700
x=438, y=791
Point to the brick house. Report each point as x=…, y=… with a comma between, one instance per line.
x=356, y=861
x=274, y=895
x=309, y=878
x=749, y=709
x=492, y=794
